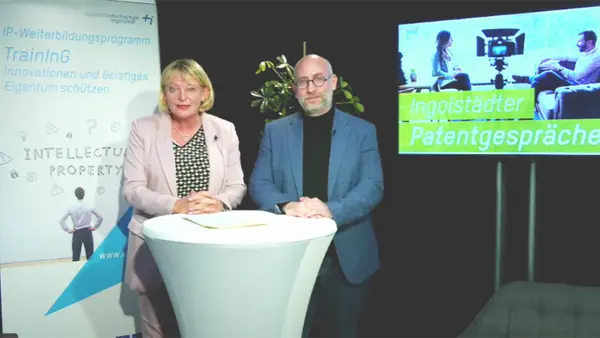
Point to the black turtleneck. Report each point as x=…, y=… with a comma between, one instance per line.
x=316, y=149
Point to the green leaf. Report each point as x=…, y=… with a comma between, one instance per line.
x=263, y=106
x=255, y=103
x=283, y=58
x=356, y=99
x=347, y=94
x=359, y=107
x=269, y=91
x=255, y=94
x=262, y=66
x=344, y=84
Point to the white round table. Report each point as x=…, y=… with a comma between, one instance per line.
x=230, y=281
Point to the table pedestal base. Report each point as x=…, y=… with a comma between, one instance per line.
x=240, y=291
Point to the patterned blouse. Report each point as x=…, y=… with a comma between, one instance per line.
x=192, y=167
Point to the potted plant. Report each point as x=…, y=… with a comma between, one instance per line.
x=275, y=98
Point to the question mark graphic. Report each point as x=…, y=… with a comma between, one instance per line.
x=91, y=125
x=23, y=136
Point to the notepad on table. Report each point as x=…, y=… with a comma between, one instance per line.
x=225, y=223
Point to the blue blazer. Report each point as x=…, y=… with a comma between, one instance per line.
x=355, y=183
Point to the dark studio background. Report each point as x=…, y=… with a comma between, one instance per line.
x=436, y=225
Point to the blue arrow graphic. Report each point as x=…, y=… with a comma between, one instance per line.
x=103, y=270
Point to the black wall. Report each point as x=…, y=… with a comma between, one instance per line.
x=436, y=224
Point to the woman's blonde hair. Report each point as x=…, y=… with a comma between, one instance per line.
x=189, y=70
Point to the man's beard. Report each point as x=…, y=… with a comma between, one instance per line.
x=324, y=103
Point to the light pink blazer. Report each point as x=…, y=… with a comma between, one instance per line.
x=150, y=184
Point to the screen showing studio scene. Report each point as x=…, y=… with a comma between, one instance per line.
x=519, y=84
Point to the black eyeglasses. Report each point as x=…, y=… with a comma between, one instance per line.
x=318, y=81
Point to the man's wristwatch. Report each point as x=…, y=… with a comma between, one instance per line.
x=279, y=207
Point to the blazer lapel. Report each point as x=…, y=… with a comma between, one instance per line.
x=295, y=148
x=164, y=149
x=339, y=142
x=215, y=154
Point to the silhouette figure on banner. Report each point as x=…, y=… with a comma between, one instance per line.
x=81, y=218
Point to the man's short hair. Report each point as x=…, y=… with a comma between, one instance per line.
x=589, y=36
x=79, y=193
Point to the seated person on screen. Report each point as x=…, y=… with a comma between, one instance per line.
x=400, y=75
x=182, y=161
x=554, y=75
x=442, y=63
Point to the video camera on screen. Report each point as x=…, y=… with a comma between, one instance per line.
x=500, y=45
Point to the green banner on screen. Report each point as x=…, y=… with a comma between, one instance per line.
x=501, y=137
x=466, y=105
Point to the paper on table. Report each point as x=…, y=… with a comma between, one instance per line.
x=210, y=225
x=228, y=220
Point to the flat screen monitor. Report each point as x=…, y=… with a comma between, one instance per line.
x=520, y=84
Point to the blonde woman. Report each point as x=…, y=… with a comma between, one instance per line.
x=183, y=160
